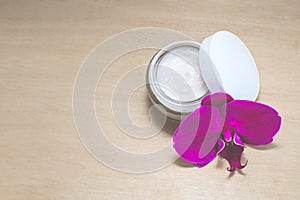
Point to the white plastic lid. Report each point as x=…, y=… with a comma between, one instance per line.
x=227, y=65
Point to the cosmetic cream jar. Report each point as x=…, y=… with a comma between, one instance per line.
x=182, y=73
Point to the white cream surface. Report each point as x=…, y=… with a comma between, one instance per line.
x=179, y=76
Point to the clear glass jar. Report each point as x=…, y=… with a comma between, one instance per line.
x=174, y=79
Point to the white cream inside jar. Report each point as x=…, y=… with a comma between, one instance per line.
x=179, y=75
x=174, y=78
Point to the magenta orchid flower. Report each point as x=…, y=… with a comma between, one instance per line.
x=222, y=126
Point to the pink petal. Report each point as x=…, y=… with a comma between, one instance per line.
x=208, y=158
x=237, y=140
x=221, y=145
x=216, y=99
x=254, y=122
x=201, y=165
x=233, y=153
x=227, y=135
x=196, y=137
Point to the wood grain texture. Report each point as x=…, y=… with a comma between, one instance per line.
x=43, y=43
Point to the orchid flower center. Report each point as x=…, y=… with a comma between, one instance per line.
x=233, y=149
x=229, y=144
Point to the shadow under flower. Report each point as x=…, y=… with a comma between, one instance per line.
x=230, y=175
x=240, y=171
x=265, y=147
x=220, y=163
x=182, y=163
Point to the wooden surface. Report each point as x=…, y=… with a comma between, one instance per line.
x=43, y=44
